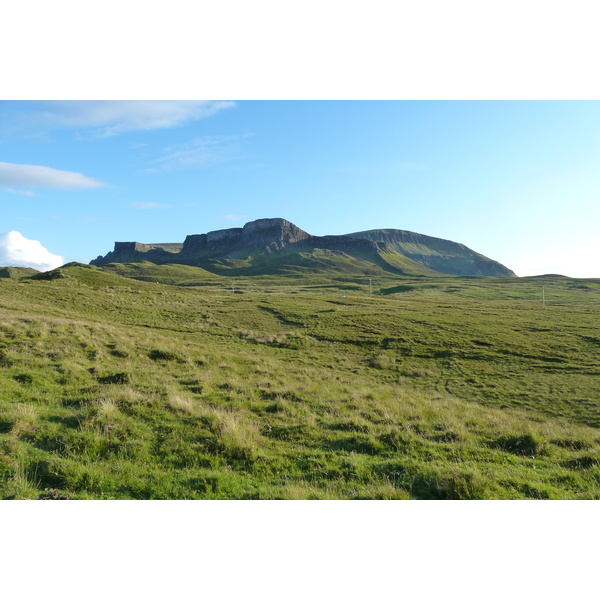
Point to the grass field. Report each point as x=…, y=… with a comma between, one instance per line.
x=203, y=386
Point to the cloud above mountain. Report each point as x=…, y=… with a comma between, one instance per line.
x=38, y=176
x=199, y=153
x=113, y=117
x=18, y=251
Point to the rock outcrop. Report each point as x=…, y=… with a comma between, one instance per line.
x=268, y=235
x=134, y=252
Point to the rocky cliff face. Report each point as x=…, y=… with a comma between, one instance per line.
x=133, y=252
x=274, y=234
x=268, y=235
x=391, y=249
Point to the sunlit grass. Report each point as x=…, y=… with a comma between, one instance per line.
x=114, y=388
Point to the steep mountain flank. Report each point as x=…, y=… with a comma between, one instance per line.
x=439, y=255
x=277, y=246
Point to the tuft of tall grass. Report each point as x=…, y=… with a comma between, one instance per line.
x=182, y=404
x=20, y=486
x=22, y=418
x=238, y=435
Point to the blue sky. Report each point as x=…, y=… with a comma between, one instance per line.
x=517, y=181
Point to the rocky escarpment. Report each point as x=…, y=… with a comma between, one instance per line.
x=265, y=242
x=134, y=252
x=268, y=235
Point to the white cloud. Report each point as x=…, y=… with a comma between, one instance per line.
x=17, y=251
x=112, y=117
x=200, y=152
x=36, y=176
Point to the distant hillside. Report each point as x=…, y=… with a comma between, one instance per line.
x=277, y=246
x=439, y=255
x=16, y=272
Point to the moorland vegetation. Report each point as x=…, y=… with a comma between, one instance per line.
x=147, y=381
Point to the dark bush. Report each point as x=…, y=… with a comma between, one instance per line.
x=522, y=445
x=166, y=355
x=120, y=378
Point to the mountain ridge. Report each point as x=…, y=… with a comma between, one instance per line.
x=275, y=245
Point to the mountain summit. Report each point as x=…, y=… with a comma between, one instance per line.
x=277, y=246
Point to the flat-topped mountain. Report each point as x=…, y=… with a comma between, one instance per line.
x=277, y=246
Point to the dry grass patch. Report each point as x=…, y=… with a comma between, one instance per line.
x=22, y=418
x=238, y=434
x=102, y=415
x=127, y=395
x=182, y=404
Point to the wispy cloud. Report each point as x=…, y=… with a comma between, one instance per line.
x=200, y=152
x=17, y=251
x=18, y=192
x=37, y=176
x=113, y=117
x=148, y=205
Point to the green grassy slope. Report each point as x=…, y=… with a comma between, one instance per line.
x=429, y=388
x=16, y=272
x=169, y=247
x=326, y=262
x=170, y=274
x=443, y=256
x=406, y=265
